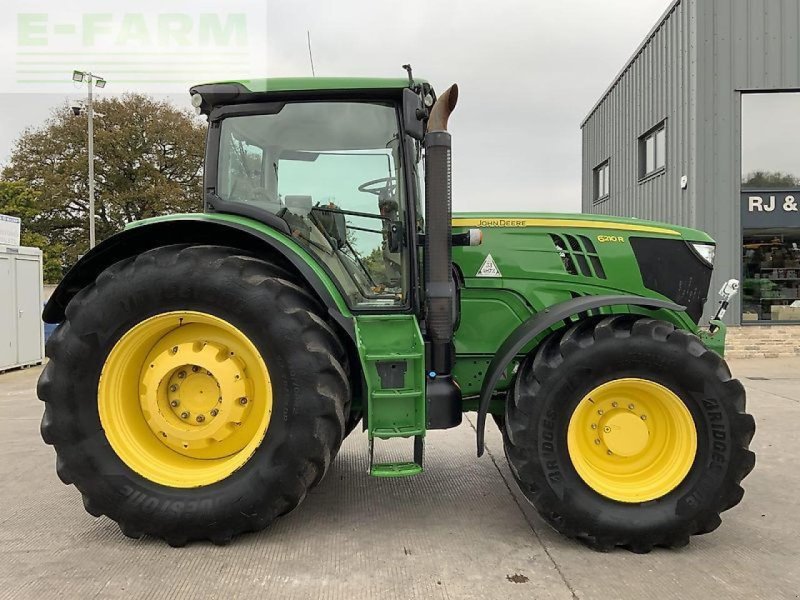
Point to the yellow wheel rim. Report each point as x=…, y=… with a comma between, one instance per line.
x=184, y=398
x=632, y=440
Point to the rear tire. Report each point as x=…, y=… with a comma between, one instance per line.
x=352, y=422
x=567, y=368
x=307, y=368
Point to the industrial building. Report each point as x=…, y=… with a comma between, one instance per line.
x=701, y=128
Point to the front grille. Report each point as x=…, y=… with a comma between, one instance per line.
x=578, y=255
x=672, y=269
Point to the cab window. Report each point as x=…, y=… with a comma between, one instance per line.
x=333, y=172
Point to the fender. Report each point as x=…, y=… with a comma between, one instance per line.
x=539, y=323
x=194, y=229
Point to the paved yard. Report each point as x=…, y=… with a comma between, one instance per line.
x=459, y=530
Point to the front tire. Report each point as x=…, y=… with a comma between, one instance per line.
x=194, y=393
x=626, y=431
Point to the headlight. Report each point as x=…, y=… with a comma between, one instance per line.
x=706, y=252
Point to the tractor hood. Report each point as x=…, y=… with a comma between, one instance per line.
x=549, y=257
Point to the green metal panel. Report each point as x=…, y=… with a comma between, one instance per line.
x=385, y=340
x=715, y=340
x=475, y=343
x=393, y=357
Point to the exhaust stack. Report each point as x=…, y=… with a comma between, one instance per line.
x=443, y=395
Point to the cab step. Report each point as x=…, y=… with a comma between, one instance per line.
x=398, y=469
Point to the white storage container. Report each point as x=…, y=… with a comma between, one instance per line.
x=21, y=328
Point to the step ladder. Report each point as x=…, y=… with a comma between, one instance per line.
x=393, y=354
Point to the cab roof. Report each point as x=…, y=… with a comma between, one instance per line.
x=282, y=88
x=308, y=84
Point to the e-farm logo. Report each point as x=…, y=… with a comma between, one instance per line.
x=162, y=46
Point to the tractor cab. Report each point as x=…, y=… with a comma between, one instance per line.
x=337, y=173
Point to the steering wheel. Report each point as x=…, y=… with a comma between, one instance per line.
x=389, y=185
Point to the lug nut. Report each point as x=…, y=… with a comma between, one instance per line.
x=200, y=418
x=644, y=417
x=182, y=374
x=594, y=425
x=630, y=406
x=614, y=404
x=214, y=412
x=195, y=369
x=242, y=401
x=609, y=452
x=173, y=388
x=184, y=415
x=174, y=403
x=599, y=411
x=174, y=349
x=597, y=442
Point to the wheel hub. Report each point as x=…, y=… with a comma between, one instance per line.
x=191, y=395
x=632, y=440
x=624, y=434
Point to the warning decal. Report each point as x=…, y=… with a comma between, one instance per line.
x=488, y=268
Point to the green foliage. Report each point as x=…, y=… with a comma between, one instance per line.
x=770, y=179
x=376, y=265
x=148, y=162
x=18, y=200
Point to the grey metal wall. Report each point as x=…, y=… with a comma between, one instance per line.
x=658, y=84
x=744, y=45
x=692, y=70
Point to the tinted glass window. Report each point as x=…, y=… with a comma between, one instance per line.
x=653, y=150
x=601, y=182
x=332, y=171
x=771, y=265
x=771, y=140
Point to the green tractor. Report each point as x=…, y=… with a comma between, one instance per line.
x=206, y=367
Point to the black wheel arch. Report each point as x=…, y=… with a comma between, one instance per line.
x=537, y=324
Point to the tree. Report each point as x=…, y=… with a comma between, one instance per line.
x=18, y=200
x=770, y=179
x=148, y=162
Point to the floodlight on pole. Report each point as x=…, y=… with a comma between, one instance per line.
x=89, y=78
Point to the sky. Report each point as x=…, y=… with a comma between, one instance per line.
x=528, y=71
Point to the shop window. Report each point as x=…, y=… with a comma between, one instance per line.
x=770, y=130
x=601, y=182
x=771, y=265
x=653, y=151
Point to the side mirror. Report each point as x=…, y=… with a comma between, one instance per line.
x=413, y=114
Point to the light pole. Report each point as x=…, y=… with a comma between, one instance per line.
x=89, y=78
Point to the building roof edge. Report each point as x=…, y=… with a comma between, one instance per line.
x=662, y=19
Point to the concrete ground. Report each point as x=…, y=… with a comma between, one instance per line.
x=459, y=530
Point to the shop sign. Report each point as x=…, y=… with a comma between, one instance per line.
x=770, y=209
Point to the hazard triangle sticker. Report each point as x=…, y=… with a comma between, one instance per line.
x=489, y=268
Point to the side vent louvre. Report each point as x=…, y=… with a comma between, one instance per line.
x=579, y=255
x=566, y=257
